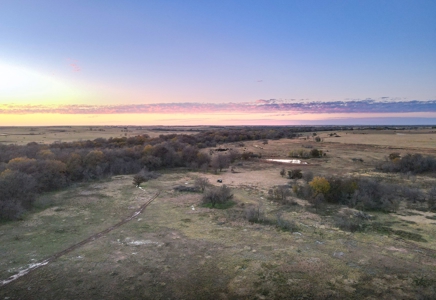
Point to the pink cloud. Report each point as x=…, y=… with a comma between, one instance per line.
x=259, y=106
x=74, y=66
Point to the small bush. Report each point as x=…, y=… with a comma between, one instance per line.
x=315, y=153
x=217, y=196
x=341, y=190
x=305, y=192
x=280, y=192
x=254, y=214
x=285, y=225
x=143, y=176
x=320, y=185
x=317, y=201
x=201, y=183
x=295, y=174
x=352, y=222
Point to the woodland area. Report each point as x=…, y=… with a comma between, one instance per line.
x=26, y=171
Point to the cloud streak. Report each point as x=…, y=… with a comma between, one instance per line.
x=260, y=106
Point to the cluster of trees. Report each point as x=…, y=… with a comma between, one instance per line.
x=360, y=193
x=410, y=163
x=301, y=153
x=365, y=194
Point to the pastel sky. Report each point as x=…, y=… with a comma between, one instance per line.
x=226, y=62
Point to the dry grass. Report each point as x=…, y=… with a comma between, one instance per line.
x=52, y=134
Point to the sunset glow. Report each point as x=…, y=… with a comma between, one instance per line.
x=221, y=63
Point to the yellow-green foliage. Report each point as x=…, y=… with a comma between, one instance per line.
x=320, y=185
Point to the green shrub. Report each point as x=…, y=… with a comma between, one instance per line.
x=217, y=197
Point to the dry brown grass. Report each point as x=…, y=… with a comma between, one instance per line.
x=52, y=134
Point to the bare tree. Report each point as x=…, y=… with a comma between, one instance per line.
x=220, y=162
x=201, y=183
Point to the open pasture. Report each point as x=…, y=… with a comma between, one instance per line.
x=394, y=139
x=58, y=134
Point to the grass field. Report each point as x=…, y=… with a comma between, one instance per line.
x=52, y=134
x=178, y=249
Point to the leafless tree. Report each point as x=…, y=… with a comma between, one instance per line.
x=201, y=183
x=220, y=161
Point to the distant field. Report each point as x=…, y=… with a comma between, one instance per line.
x=48, y=135
x=401, y=139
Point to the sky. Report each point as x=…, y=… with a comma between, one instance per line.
x=245, y=62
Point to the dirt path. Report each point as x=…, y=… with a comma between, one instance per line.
x=55, y=256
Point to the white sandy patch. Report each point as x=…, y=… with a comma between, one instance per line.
x=141, y=242
x=23, y=272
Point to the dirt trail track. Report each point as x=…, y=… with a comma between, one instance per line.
x=55, y=256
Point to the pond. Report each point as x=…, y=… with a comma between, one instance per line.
x=288, y=161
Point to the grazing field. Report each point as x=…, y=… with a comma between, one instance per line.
x=401, y=139
x=179, y=249
x=52, y=134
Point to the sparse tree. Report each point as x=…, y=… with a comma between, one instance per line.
x=201, y=183
x=220, y=161
x=233, y=155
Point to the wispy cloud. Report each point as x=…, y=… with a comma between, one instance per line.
x=74, y=65
x=385, y=105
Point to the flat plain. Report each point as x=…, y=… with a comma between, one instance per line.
x=59, y=134
x=179, y=249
